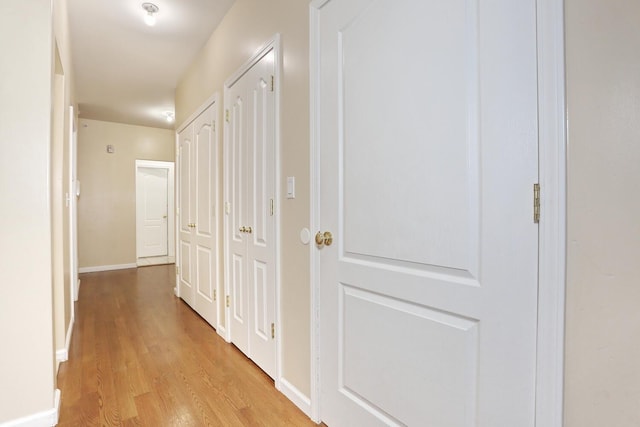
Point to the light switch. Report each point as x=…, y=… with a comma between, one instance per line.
x=291, y=187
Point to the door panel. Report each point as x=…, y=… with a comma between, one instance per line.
x=152, y=193
x=185, y=175
x=251, y=220
x=205, y=231
x=428, y=294
x=261, y=191
x=237, y=221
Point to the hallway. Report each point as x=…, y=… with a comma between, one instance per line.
x=141, y=356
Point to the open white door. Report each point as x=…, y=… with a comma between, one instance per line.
x=428, y=152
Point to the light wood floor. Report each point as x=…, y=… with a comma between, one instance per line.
x=141, y=356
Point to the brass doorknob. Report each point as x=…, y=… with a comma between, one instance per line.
x=249, y=230
x=324, y=238
x=242, y=229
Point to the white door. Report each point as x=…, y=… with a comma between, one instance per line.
x=237, y=218
x=205, y=230
x=427, y=135
x=186, y=194
x=198, y=274
x=152, y=211
x=251, y=220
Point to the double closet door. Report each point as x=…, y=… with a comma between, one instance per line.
x=198, y=269
x=250, y=220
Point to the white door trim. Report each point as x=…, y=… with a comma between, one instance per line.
x=275, y=45
x=156, y=164
x=73, y=207
x=552, y=231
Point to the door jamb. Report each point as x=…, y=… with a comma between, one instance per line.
x=552, y=231
x=169, y=166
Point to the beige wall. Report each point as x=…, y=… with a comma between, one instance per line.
x=107, y=204
x=26, y=334
x=602, y=371
x=247, y=26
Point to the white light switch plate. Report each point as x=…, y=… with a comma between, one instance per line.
x=291, y=187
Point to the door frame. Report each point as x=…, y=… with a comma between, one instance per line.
x=74, y=189
x=552, y=227
x=170, y=167
x=274, y=43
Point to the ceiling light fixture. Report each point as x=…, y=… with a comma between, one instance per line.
x=170, y=116
x=150, y=17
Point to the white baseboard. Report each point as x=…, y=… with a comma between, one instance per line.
x=46, y=418
x=296, y=396
x=106, y=268
x=62, y=355
x=77, y=290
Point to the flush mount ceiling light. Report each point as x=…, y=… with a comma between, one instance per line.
x=169, y=116
x=150, y=16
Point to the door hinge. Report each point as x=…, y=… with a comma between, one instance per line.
x=272, y=83
x=228, y=301
x=226, y=115
x=273, y=330
x=536, y=203
x=271, y=207
x=215, y=295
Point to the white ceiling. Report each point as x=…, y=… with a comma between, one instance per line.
x=126, y=71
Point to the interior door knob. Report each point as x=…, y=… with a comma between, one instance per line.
x=324, y=238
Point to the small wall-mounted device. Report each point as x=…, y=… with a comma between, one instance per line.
x=291, y=187
x=110, y=149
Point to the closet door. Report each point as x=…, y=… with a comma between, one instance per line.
x=237, y=218
x=250, y=221
x=204, y=229
x=185, y=200
x=261, y=248
x=198, y=274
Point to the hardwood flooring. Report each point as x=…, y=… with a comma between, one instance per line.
x=141, y=356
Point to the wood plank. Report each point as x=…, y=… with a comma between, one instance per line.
x=141, y=356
